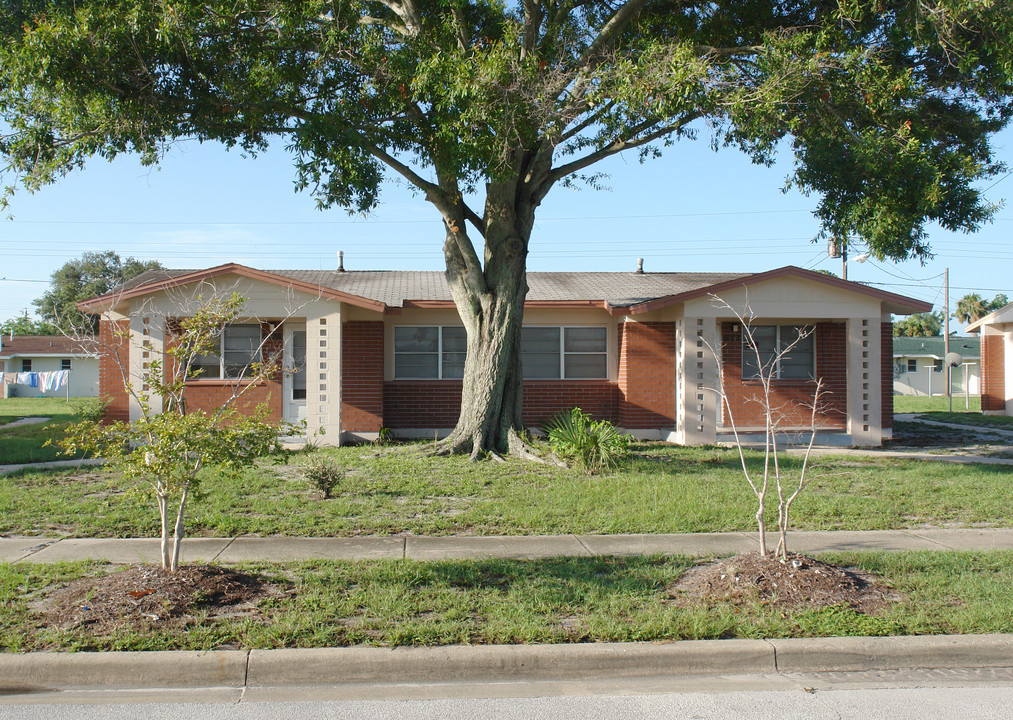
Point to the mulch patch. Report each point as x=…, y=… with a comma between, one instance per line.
x=148, y=597
x=800, y=582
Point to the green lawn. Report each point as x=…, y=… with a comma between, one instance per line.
x=937, y=408
x=936, y=403
x=389, y=603
x=27, y=443
x=666, y=489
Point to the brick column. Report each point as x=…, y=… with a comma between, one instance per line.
x=114, y=361
x=362, y=376
x=886, y=362
x=646, y=375
x=993, y=373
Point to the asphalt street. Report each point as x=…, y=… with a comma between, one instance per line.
x=965, y=703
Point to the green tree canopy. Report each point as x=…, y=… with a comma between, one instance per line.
x=24, y=325
x=887, y=107
x=973, y=307
x=928, y=324
x=93, y=274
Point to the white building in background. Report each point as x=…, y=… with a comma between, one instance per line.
x=918, y=367
x=42, y=355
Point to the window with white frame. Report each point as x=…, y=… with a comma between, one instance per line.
x=431, y=352
x=912, y=365
x=239, y=347
x=65, y=364
x=26, y=365
x=788, y=351
x=571, y=353
x=937, y=365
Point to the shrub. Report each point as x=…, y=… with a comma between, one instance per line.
x=91, y=409
x=594, y=445
x=323, y=475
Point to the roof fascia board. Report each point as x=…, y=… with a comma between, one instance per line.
x=109, y=299
x=994, y=315
x=788, y=270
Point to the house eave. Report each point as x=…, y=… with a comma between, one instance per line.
x=109, y=300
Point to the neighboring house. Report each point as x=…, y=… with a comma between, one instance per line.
x=918, y=367
x=369, y=350
x=47, y=354
x=996, y=333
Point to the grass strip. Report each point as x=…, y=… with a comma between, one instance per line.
x=392, y=603
x=27, y=443
x=666, y=489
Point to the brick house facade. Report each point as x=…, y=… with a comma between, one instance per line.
x=650, y=352
x=996, y=331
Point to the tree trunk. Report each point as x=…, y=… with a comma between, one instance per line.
x=177, y=540
x=163, y=512
x=490, y=301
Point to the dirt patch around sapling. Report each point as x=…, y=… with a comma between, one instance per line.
x=801, y=582
x=146, y=597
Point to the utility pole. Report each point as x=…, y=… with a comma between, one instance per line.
x=946, y=338
x=844, y=258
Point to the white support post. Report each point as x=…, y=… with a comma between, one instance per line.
x=323, y=377
x=697, y=341
x=865, y=382
x=147, y=338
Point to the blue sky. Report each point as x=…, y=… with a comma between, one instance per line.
x=692, y=210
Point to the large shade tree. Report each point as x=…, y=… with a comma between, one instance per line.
x=485, y=105
x=94, y=273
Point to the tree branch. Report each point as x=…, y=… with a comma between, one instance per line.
x=623, y=16
x=619, y=146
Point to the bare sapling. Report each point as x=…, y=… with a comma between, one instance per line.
x=776, y=418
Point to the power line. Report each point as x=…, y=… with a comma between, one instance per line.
x=373, y=221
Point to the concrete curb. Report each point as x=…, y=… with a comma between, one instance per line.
x=490, y=663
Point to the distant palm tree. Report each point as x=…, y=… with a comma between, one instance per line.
x=971, y=307
x=919, y=325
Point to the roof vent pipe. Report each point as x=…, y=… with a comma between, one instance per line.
x=640, y=266
x=341, y=261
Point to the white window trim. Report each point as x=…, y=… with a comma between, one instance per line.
x=563, y=353
x=439, y=352
x=258, y=354
x=778, y=352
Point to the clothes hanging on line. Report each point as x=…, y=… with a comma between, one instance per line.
x=53, y=380
x=46, y=381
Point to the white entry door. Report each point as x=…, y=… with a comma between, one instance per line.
x=294, y=374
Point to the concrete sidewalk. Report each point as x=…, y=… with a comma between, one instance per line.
x=284, y=549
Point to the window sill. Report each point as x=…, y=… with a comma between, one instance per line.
x=219, y=382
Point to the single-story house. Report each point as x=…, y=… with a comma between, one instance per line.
x=918, y=367
x=33, y=365
x=996, y=333
x=365, y=351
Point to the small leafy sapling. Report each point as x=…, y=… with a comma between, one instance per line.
x=165, y=452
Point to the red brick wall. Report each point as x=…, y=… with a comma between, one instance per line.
x=789, y=397
x=886, y=361
x=212, y=394
x=362, y=385
x=646, y=375
x=113, y=365
x=437, y=403
x=993, y=373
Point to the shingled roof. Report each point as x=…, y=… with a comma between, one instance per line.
x=395, y=287
x=382, y=290
x=40, y=345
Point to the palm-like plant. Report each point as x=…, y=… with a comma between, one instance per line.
x=971, y=307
